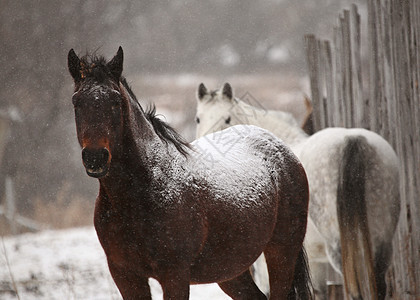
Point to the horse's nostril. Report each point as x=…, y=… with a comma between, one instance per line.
x=95, y=158
x=104, y=154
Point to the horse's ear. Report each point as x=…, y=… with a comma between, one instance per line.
x=202, y=91
x=227, y=91
x=73, y=63
x=115, y=66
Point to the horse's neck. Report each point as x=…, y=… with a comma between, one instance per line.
x=131, y=156
x=143, y=154
x=290, y=133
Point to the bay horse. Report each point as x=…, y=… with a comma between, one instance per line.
x=187, y=213
x=354, y=189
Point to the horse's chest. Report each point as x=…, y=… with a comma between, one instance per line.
x=125, y=241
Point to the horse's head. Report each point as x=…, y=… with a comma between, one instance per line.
x=98, y=100
x=215, y=109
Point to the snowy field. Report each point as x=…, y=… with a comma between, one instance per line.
x=66, y=264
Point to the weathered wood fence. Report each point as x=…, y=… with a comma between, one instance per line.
x=382, y=94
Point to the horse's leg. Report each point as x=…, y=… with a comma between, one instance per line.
x=173, y=289
x=176, y=284
x=242, y=287
x=333, y=251
x=260, y=274
x=281, y=267
x=130, y=285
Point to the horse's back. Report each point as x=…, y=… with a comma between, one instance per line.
x=241, y=144
x=245, y=161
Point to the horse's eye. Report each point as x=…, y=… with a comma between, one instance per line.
x=197, y=120
x=227, y=121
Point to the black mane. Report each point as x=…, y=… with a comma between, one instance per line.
x=165, y=132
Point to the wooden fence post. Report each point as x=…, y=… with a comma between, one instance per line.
x=312, y=58
x=10, y=209
x=392, y=108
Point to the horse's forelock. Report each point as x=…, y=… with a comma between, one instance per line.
x=214, y=93
x=94, y=67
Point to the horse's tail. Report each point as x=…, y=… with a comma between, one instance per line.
x=302, y=286
x=356, y=252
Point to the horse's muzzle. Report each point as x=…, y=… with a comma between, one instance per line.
x=96, y=161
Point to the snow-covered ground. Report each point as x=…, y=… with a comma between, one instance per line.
x=66, y=264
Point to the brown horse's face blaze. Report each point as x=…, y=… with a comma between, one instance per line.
x=99, y=124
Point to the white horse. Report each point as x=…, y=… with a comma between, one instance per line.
x=354, y=188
